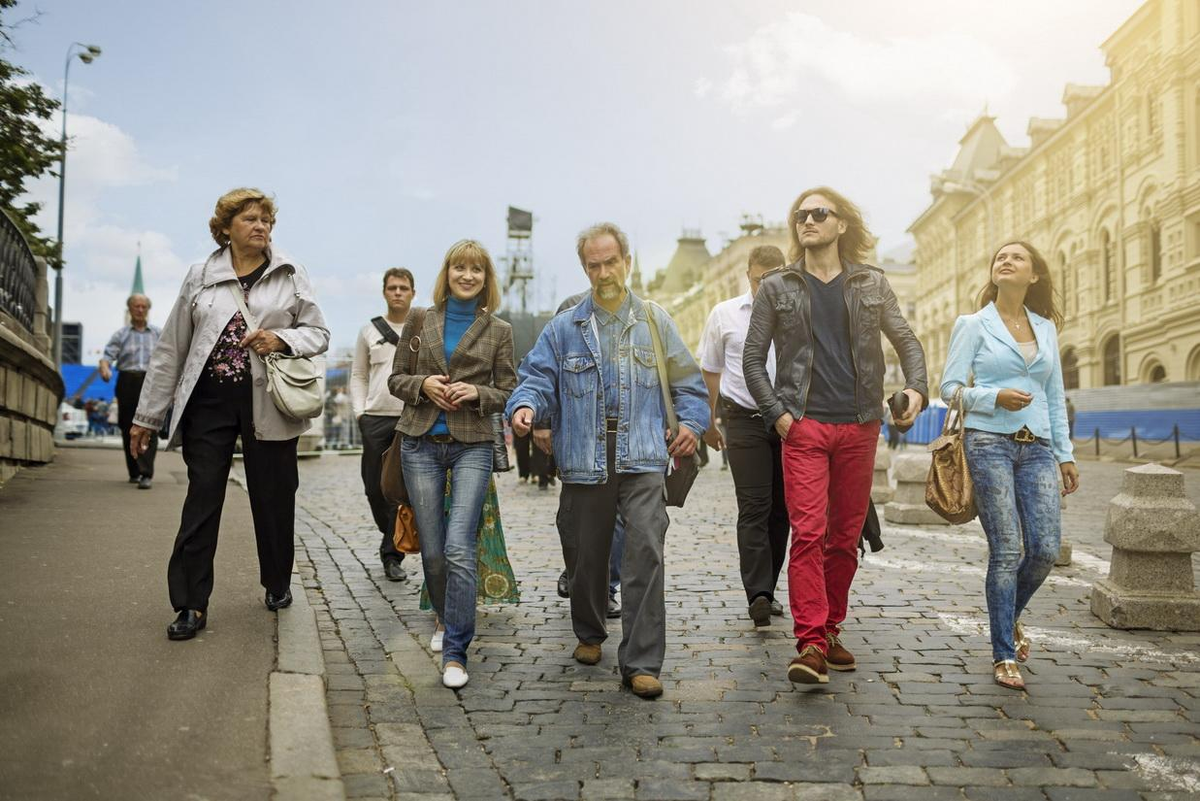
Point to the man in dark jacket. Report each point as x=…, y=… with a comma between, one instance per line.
x=824, y=314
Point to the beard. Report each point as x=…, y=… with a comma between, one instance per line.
x=609, y=291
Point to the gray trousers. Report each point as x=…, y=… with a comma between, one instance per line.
x=586, y=516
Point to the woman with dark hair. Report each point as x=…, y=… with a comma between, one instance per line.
x=464, y=374
x=1004, y=361
x=209, y=364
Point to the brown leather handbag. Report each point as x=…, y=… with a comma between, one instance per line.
x=391, y=473
x=405, y=536
x=948, y=487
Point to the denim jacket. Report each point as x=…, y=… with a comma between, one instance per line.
x=981, y=347
x=560, y=381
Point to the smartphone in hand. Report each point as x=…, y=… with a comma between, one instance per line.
x=898, y=403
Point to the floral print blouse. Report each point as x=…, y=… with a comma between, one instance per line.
x=227, y=371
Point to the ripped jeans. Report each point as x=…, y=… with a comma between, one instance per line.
x=1016, y=492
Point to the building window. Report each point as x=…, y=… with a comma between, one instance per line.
x=1158, y=374
x=1112, y=361
x=1155, y=253
x=1070, y=369
x=1108, y=267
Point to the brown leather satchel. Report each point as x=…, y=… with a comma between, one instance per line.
x=391, y=473
x=948, y=487
x=405, y=536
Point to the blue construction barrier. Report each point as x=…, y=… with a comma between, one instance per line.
x=76, y=382
x=1150, y=424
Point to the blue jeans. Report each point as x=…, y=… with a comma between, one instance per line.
x=448, y=538
x=1016, y=492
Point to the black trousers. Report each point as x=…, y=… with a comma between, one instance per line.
x=522, y=446
x=756, y=461
x=210, y=426
x=377, y=432
x=129, y=389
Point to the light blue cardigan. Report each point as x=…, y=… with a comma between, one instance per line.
x=982, y=348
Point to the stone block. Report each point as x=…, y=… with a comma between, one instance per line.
x=1154, y=528
x=5, y=437
x=881, y=487
x=29, y=397
x=20, y=439
x=908, y=503
x=12, y=389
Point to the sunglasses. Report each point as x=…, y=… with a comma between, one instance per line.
x=819, y=214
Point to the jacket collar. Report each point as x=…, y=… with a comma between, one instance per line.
x=851, y=269
x=1042, y=330
x=435, y=334
x=219, y=266
x=583, y=311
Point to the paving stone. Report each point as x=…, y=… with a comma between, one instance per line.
x=722, y=772
x=1056, y=777
x=365, y=785
x=965, y=777
x=894, y=774
x=901, y=792
x=752, y=791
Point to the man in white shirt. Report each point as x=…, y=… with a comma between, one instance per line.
x=754, y=448
x=376, y=409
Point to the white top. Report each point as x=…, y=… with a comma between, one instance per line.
x=373, y=356
x=1029, y=350
x=721, y=347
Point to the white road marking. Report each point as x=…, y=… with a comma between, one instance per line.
x=1174, y=773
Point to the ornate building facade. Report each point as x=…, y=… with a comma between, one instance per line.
x=1110, y=194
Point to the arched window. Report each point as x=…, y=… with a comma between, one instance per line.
x=1155, y=253
x=1070, y=369
x=1112, y=361
x=1108, y=267
x=1158, y=374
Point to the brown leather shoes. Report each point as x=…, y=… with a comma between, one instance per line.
x=643, y=686
x=587, y=654
x=809, y=667
x=837, y=657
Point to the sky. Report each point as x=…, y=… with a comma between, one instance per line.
x=389, y=130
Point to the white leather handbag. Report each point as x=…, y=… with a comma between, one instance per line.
x=296, y=384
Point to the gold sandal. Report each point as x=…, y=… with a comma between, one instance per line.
x=1007, y=674
x=1022, y=642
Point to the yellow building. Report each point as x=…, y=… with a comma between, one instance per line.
x=1111, y=196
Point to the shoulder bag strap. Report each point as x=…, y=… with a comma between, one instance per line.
x=386, y=331
x=235, y=289
x=663, y=382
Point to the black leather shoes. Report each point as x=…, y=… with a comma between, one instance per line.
x=186, y=625
x=564, y=587
x=144, y=482
x=277, y=602
x=393, y=570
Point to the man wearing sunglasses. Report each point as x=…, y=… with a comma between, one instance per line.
x=824, y=314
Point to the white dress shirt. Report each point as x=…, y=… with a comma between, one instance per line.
x=721, y=347
x=373, y=356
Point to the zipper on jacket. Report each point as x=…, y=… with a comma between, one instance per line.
x=858, y=415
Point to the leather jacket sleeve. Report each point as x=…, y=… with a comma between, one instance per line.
x=908, y=347
x=754, y=355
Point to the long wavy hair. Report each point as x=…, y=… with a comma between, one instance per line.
x=1039, y=297
x=854, y=245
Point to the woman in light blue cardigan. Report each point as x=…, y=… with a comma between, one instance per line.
x=1004, y=359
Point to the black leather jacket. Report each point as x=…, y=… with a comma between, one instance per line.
x=782, y=316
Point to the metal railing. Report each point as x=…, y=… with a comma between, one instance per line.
x=18, y=274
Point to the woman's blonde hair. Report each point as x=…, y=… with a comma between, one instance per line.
x=233, y=203
x=468, y=251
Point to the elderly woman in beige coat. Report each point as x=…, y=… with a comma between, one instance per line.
x=209, y=366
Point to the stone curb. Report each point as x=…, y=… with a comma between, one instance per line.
x=300, y=749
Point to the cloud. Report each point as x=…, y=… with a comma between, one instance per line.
x=777, y=65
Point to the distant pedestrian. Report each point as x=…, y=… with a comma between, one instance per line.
x=824, y=314
x=464, y=374
x=377, y=410
x=129, y=350
x=595, y=372
x=753, y=447
x=211, y=365
x=1004, y=360
x=1070, y=418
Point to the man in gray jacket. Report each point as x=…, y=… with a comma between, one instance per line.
x=824, y=314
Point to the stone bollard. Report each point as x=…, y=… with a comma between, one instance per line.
x=1154, y=529
x=1064, y=546
x=908, y=504
x=881, y=489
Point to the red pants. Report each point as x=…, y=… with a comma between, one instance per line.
x=827, y=483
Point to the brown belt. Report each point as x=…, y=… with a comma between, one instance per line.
x=441, y=439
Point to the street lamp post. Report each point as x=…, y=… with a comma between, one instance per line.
x=87, y=55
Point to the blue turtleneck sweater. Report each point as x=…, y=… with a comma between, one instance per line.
x=459, y=316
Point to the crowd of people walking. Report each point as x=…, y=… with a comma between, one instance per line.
x=611, y=402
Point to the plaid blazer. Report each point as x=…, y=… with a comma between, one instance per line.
x=484, y=357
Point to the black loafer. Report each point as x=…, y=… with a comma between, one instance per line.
x=564, y=587
x=277, y=602
x=393, y=570
x=760, y=610
x=186, y=625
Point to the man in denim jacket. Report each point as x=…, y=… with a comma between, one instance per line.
x=593, y=376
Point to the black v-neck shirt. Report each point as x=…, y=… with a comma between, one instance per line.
x=831, y=388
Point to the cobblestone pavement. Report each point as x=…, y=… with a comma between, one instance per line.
x=1108, y=715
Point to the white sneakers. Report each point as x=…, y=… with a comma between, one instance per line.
x=454, y=676
x=435, y=642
